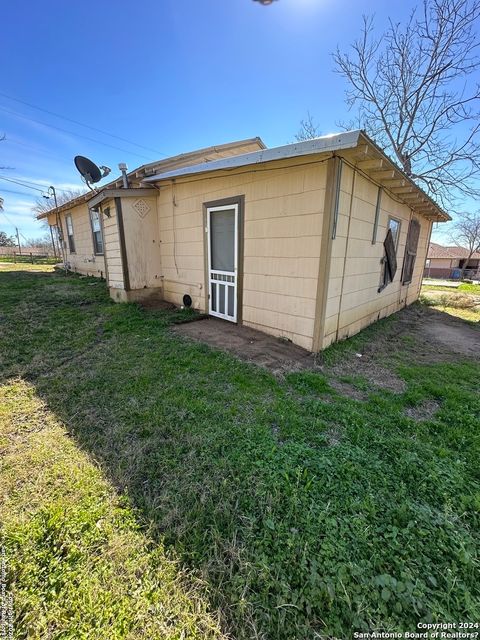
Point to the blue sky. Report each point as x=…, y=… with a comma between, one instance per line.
x=170, y=75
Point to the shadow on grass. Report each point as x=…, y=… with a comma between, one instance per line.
x=306, y=512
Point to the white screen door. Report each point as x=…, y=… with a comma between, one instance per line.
x=223, y=261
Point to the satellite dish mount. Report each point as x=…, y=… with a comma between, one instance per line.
x=89, y=171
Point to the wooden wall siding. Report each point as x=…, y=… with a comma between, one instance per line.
x=142, y=244
x=112, y=247
x=283, y=222
x=353, y=298
x=84, y=260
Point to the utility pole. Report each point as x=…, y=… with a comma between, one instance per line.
x=60, y=237
x=18, y=240
x=53, y=242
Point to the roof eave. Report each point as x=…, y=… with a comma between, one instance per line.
x=393, y=178
x=347, y=140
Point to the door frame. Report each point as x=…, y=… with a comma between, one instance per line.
x=239, y=201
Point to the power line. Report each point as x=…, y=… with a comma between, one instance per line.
x=72, y=133
x=38, y=150
x=7, y=218
x=36, y=185
x=81, y=124
x=12, y=224
x=22, y=184
x=16, y=227
x=18, y=193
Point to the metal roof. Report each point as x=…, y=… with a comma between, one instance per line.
x=391, y=177
x=148, y=169
x=334, y=142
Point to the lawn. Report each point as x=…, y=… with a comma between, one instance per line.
x=151, y=487
x=462, y=302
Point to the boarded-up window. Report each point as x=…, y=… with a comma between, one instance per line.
x=389, y=261
x=410, y=251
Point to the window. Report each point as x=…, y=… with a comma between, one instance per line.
x=411, y=251
x=96, y=232
x=394, y=226
x=71, y=241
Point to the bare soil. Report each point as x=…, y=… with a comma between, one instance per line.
x=275, y=354
x=426, y=335
x=423, y=411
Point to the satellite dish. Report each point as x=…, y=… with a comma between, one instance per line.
x=89, y=171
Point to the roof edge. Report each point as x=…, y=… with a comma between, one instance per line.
x=334, y=142
x=331, y=143
x=134, y=173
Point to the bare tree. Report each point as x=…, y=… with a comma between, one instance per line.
x=466, y=234
x=43, y=205
x=308, y=129
x=415, y=91
x=43, y=242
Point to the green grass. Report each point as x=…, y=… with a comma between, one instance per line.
x=463, y=302
x=470, y=288
x=464, y=286
x=292, y=509
x=27, y=259
x=78, y=563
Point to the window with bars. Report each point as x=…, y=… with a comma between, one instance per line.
x=96, y=232
x=71, y=239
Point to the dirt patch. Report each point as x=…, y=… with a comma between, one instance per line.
x=423, y=411
x=348, y=389
x=450, y=335
x=367, y=367
x=418, y=333
x=333, y=436
x=275, y=354
x=156, y=304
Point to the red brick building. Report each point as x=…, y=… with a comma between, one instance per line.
x=447, y=262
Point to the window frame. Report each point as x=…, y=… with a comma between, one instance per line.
x=70, y=236
x=100, y=231
x=397, y=238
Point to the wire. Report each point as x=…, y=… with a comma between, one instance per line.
x=18, y=193
x=36, y=185
x=22, y=184
x=38, y=150
x=81, y=124
x=13, y=225
x=72, y=133
x=8, y=219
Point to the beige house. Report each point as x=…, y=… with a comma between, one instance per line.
x=310, y=241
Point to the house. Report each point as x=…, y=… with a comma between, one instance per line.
x=448, y=262
x=310, y=241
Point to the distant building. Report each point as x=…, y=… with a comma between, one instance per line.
x=448, y=262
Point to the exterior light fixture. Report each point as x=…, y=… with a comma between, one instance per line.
x=264, y=2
